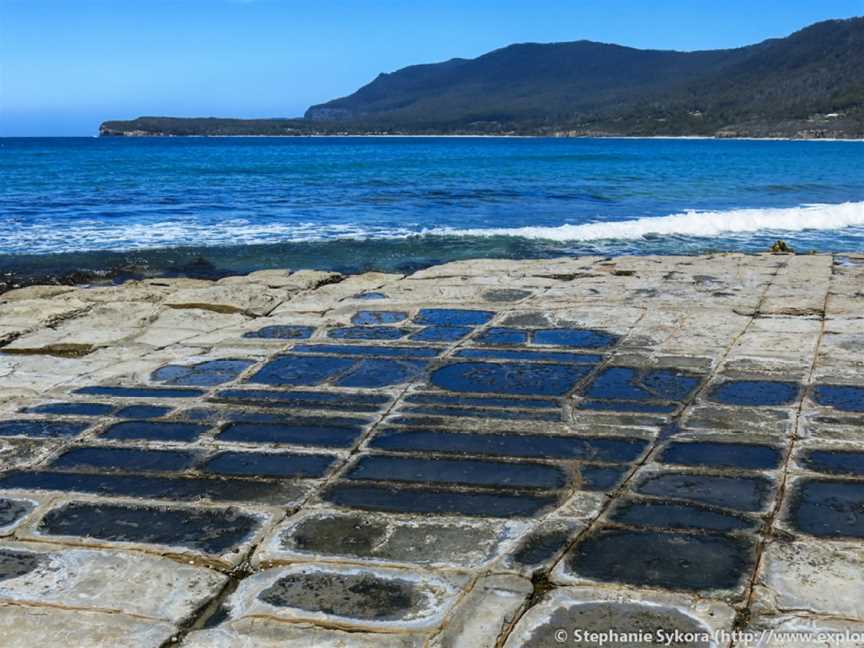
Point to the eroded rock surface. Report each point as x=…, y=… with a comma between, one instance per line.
x=483, y=453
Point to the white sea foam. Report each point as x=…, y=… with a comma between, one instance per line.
x=690, y=223
x=47, y=238
x=95, y=234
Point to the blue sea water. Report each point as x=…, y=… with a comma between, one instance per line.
x=389, y=203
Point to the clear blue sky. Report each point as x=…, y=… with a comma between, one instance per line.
x=66, y=65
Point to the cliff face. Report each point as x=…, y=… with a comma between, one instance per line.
x=810, y=84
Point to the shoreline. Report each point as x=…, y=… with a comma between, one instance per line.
x=449, y=136
x=199, y=268
x=820, y=227
x=482, y=136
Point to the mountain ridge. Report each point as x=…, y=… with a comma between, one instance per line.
x=808, y=84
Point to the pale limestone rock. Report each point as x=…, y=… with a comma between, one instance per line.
x=103, y=325
x=133, y=584
x=485, y=612
x=329, y=295
x=270, y=633
x=8, y=333
x=34, y=292
x=824, y=578
x=177, y=283
x=272, y=278
x=27, y=314
x=234, y=280
x=245, y=298
x=800, y=631
x=176, y=325
x=310, y=279
x=43, y=372
x=131, y=292
x=844, y=305
x=25, y=627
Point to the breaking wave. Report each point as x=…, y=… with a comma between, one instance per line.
x=690, y=223
x=732, y=225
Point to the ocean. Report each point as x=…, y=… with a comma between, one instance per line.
x=229, y=205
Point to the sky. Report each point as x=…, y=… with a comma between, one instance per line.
x=67, y=65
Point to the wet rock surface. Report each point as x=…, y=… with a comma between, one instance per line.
x=675, y=561
x=826, y=508
x=12, y=511
x=511, y=378
x=203, y=374
x=607, y=617
x=14, y=564
x=587, y=622
x=360, y=596
x=478, y=454
x=212, y=531
x=763, y=393
x=737, y=493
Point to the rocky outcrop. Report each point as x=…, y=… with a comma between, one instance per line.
x=484, y=453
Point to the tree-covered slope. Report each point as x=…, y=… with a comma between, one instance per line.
x=809, y=84
x=817, y=70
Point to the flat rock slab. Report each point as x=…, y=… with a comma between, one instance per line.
x=333, y=535
x=269, y=633
x=370, y=598
x=800, y=631
x=588, y=617
x=13, y=511
x=24, y=627
x=661, y=559
x=485, y=612
x=101, y=326
x=24, y=452
x=482, y=453
x=824, y=579
x=247, y=299
x=37, y=574
x=218, y=533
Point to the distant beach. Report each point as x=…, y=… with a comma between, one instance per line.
x=516, y=136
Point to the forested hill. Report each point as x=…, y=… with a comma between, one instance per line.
x=809, y=84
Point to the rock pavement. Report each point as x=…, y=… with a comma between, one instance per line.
x=633, y=451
